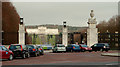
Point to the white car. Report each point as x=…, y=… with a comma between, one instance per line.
x=59, y=48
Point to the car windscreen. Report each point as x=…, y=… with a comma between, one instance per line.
x=30, y=46
x=13, y=47
x=76, y=46
x=84, y=45
x=0, y=48
x=39, y=47
x=106, y=44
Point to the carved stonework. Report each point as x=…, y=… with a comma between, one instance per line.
x=92, y=36
x=92, y=20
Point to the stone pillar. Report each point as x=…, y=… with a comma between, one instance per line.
x=92, y=35
x=65, y=34
x=21, y=32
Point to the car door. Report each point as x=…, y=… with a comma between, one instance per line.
x=0, y=52
x=94, y=47
x=5, y=52
x=69, y=47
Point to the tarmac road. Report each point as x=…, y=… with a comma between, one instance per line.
x=75, y=58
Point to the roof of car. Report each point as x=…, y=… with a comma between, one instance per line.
x=82, y=44
x=16, y=44
x=102, y=43
x=38, y=45
x=73, y=44
x=31, y=45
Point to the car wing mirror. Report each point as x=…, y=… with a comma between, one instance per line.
x=7, y=50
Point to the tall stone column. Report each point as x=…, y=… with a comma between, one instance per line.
x=65, y=34
x=21, y=32
x=92, y=36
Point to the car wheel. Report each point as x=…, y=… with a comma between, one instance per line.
x=35, y=54
x=28, y=55
x=95, y=50
x=11, y=57
x=90, y=50
x=106, y=50
x=23, y=56
x=38, y=54
x=83, y=50
x=101, y=50
x=42, y=53
x=53, y=51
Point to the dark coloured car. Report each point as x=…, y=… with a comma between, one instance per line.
x=85, y=48
x=19, y=50
x=73, y=47
x=40, y=49
x=6, y=54
x=100, y=47
x=33, y=50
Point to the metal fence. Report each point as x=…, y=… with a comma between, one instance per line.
x=112, y=38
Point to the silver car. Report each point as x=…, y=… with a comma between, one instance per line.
x=59, y=48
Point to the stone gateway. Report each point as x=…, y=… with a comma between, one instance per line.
x=92, y=35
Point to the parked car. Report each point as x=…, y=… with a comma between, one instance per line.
x=33, y=50
x=59, y=48
x=85, y=48
x=40, y=49
x=19, y=50
x=100, y=47
x=73, y=47
x=47, y=46
x=6, y=54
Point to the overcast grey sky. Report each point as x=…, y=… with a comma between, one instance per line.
x=74, y=13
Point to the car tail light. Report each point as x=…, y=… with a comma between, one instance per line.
x=33, y=49
x=40, y=49
x=80, y=47
x=21, y=48
x=9, y=47
x=73, y=47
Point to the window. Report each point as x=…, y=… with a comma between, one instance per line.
x=0, y=48
x=30, y=46
x=4, y=48
x=12, y=47
x=84, y=45
x=100, y=44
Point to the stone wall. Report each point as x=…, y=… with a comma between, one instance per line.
x=0, y=22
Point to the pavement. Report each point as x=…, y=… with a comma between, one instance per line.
x=111, y=54
x=115, y=54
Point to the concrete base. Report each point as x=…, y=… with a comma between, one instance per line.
x=92, y=36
